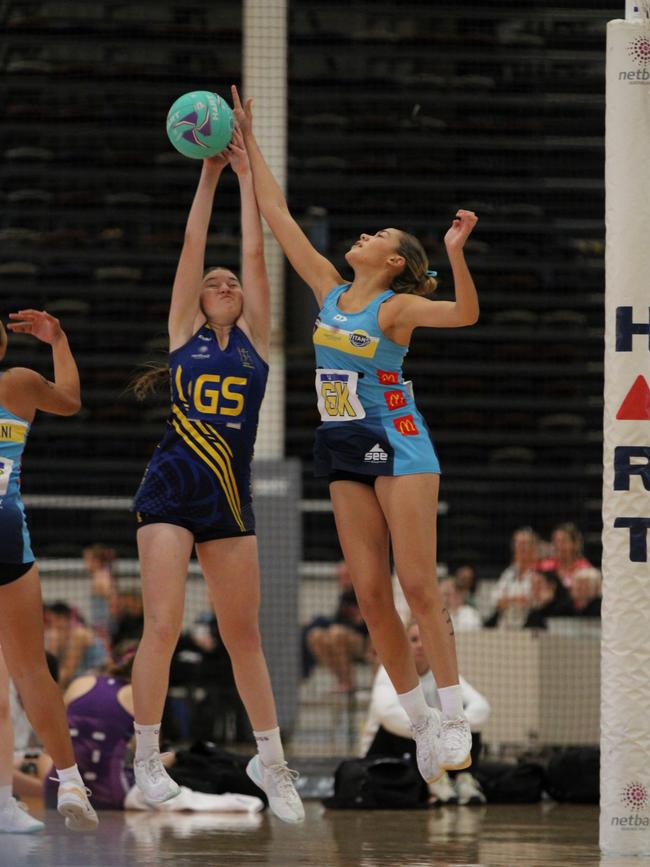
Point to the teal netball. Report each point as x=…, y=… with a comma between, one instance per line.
x=200, y=124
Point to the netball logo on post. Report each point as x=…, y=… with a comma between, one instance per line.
x=634, y=796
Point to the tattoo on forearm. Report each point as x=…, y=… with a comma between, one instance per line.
x=447, y=617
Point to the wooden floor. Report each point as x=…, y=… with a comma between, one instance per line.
x=495, y=836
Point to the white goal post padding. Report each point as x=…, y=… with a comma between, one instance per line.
x=625, y=699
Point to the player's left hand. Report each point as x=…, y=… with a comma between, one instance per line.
x=460, y=230
x=38, y=323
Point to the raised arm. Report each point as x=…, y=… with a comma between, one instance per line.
x=186, y=292
x=256, y=314
x=412, y=311
x=317, y=271
x=31, y=391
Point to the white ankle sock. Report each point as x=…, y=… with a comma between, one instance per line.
x=70, y=775
x=451, y=700
x=5, y=796
x=269, y=746
x=146, y=740
x=415, y=704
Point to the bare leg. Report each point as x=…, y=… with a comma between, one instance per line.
x=164, y=551
x=23, y=646
x=363, y=535
x=410, y=506
x=6, y=730
x=231, y=570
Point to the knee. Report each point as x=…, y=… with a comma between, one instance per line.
x=421, y=596
x=241, y=638
x=373, y=606
x=163, y=633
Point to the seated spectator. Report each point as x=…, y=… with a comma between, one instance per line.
x=512, y=594
x=127, y=618
x=74, y=644
x=99, y=562
x=585, y=592
x=567, y=556
x=466, y=581
x=100, y=713
x=338, y=641
x=464, y=617
x=388, y=730
x=549, y=598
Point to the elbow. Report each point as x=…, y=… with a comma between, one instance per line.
x=472, y=318
x=71, y=406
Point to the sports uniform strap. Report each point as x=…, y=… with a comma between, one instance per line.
x=333, y=295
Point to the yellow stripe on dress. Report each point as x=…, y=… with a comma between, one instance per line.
x=215, y=452
x=195, y=442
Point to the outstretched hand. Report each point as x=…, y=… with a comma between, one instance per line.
x=237, y=155
x=460, y=230
x=243, y=113
x=38, y=323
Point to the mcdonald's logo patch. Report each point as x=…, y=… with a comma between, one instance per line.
x=395, y=399
x=388, y=377
x=406, y=426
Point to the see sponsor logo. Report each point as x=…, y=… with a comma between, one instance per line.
x=395, y=399
x=406, y=426
x=359, y=339
x=388, y=377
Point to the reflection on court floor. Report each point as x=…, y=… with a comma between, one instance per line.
x=493, y=836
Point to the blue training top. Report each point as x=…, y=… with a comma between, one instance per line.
x=360, y=386
x=15, y=546
x=201, y=468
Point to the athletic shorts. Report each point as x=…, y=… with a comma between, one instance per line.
x=10, y=572
x=372, y=449
x=201, y=532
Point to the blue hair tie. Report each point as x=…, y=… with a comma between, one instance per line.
x=432, y=273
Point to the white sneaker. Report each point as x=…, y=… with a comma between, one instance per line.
x=277, y=781
x=14, y=819
x=442, y=792
x=153, y=780
x=469, y=790
x=73, y=803
x=455, y=745
x=427, y=736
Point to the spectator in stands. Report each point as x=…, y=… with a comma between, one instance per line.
x=512, y=594
x=567, y=555
x=466, y=581
x=338, y=641
x=549, y=598
x=387, y=730
x=585, y=592
x=77, y=648
x=463, y=617
x=127, y=618
x=99, y=562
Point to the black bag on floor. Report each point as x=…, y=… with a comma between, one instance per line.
x=506, y=783
x=207, y=768
x=377, y=783
x=573, y=775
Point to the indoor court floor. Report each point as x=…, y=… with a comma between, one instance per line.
x=538, y=835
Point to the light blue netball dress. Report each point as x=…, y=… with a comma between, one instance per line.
x=370, y=425
x=16, y=555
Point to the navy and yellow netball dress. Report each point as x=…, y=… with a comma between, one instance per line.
x=16, y=555
x=370, y=423
x=199, y=475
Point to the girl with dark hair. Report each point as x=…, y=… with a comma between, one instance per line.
x=22, y=393
x=196, y=490
x=374, y=446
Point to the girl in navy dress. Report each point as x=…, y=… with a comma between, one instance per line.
x=196, y=490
